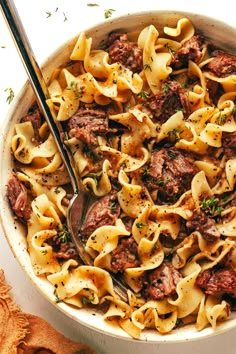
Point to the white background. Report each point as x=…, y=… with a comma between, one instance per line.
x=46, y=33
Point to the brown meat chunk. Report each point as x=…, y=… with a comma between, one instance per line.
x=125, y=52
x=104, y=211
x=223, y=65
x=86, y=124
x=161, y=282
x=35, y=117
x=218, y=281
x=170, y=172
x=125, y=255
x=18, y=198
x=205, y=225
x=190, y=50
x=170, y=99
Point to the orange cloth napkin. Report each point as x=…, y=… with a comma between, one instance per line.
x=23, y=333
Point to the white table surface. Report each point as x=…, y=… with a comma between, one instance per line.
x=46, y=32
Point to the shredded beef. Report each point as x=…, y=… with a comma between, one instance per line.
x=86, y=124
x=123, y=51
x=104, y=211
x=218, y=281
x=35, y=117
x=65, y=250
x=18, y=198
x=223, y=65
x=205, y=225
x=168, y=101
x=190, y=50
x=170, y=172
x=215, y=90
x=125, y=255
x=229, y=140
x=161, y=282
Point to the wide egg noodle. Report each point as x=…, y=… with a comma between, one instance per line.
x=189, y=295
x=183, y=31
x=103, y=186
x=43, y=225
x=103, y=241
x=132, y=198
x=24, y=147
x=54, y=193
x=152, y=315
x=211, y=312
x=135, y=120
x=156, y=65
x=75, y=283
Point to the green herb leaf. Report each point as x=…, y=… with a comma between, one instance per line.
x=143, y=94
x=139, y=225
x=166, y=88
x=11, y=95
x=108, y=13
x=172, y=154
x=210, y=206
x=77, y=91
x=64, y=235
x=147, y=66
x=221, y=119
x=113, y=206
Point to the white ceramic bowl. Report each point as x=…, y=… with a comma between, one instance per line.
x=223, y=36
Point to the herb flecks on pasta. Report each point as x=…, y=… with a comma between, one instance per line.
x=150, y=122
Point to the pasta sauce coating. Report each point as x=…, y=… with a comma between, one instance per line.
x=151, y=126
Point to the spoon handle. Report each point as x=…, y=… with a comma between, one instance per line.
x=36, y=79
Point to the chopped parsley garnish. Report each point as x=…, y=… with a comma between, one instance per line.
x=77, y=91
x=57, y=299
x=210, y=206
x=113, y=206
x=221, y=119
x=57, y=190
x=64, y=235
x=143, y=94
x=175, y=133
x=172, y=154
x=234, y=112
x=92, y=4
x=139, y=225
x=171, y=50
x=166, y=88
x=65, y=17
x=147, y=66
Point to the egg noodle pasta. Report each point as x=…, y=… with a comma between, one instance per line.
x=151, y=125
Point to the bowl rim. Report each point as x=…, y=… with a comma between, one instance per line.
x=42, y=285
